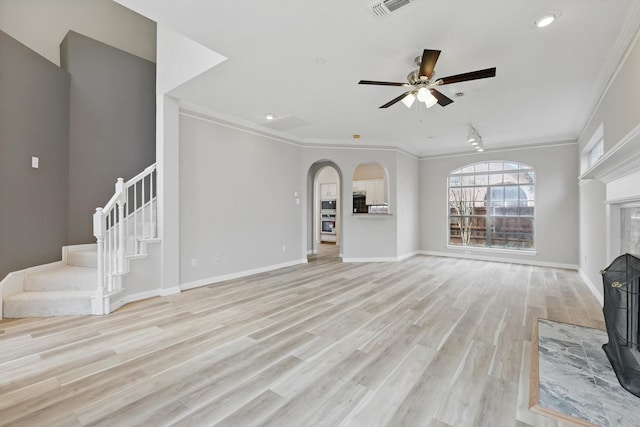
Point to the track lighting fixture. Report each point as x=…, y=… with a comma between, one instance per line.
x=474, y=138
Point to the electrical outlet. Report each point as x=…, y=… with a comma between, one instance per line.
x=194, y=262
x=218, y=258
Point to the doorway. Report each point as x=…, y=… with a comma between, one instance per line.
x=325, y=212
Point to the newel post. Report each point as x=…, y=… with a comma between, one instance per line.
x=98, y=232
x=122, y=200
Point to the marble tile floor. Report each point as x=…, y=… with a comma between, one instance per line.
x=576, y=378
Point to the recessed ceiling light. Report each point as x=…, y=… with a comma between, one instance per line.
x=545, y=20
x=356, y=136
x=269, y=116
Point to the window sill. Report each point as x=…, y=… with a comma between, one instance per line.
x=478, y=249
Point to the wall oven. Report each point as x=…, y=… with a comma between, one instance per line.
x=328, y=205
x=328, y=223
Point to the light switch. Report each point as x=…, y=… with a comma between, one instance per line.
x=35, y=162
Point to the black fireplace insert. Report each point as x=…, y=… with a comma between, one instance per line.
x=622, y=315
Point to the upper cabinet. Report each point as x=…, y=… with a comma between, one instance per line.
x=328, y=190
x=375, y=194
x=373, y=189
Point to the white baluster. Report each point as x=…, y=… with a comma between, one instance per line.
x=152, y=225
x=98, y=232
x=120, y=225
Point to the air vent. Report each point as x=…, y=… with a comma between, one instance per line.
x=385, y=7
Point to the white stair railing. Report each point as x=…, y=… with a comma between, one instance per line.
x=128, y=218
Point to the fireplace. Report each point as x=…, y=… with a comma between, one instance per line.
x=622, y=316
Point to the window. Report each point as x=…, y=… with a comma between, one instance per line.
x=593, y=151
x=596, y=152
x=491, y=204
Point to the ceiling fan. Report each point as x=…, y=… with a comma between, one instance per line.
x=424, y=84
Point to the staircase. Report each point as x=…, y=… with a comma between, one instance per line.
x=90, y=278
x=59, y=291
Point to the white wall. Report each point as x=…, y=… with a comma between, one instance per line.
x=408, y=206
x=556, y=226
x=236, y=201
x=102, y=20
x=593, y=233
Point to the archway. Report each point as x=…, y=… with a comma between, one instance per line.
x=324, y=211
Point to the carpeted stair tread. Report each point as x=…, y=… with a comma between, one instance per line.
x=65, y=278
x=46, y=304
x=83, y=255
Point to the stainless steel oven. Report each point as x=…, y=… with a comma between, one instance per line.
x=328, y=223
x=328, y=205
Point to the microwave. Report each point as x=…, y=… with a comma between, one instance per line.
x=326, y=205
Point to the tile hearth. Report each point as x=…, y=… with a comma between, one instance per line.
x=576, y=378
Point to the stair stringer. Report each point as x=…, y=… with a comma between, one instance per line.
x=143, y=278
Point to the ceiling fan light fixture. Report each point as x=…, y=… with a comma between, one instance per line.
x=409, y=100
x=425, y=95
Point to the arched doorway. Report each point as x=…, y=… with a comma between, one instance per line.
x=324, y=211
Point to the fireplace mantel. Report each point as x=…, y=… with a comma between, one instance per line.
x=621, y=160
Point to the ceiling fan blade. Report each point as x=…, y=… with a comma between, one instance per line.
x=428, y=63
x=394, y=100
x=473, y=75
x=443, y=99
x=373, y=82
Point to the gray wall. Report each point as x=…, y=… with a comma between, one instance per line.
x=236, y=201
x=112, y=125
x=408, y=196
x=34, y=105
x=556, y=227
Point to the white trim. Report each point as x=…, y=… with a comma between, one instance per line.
x=481, y=249
x=231, y=276
x=407, y=255
x=500, y=150
x=507, y=260
x=620, y=160
x=158, y=292
x=381, y=259
x=372, y=259
x=591, y=286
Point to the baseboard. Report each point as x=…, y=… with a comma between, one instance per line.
x=159, y=292
x=591, y=286
x=381, y=259
x=372, y=259
x=408, y=255
x=500, y=259
x=231, y=276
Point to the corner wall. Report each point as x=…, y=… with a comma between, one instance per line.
x=34, y=121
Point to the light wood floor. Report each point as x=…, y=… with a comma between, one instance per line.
x=424, y=342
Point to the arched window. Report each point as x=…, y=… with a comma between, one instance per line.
x=492, y=204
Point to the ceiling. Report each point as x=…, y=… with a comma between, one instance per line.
x=302, y=59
